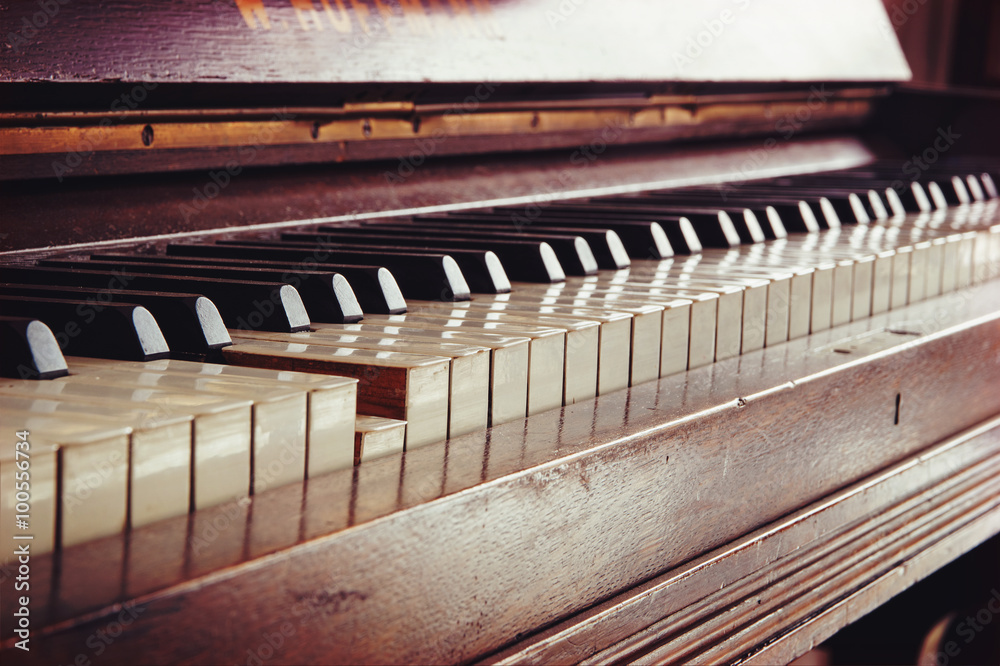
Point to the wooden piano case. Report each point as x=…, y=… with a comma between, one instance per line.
x=740, y=512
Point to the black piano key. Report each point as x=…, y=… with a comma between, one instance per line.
x=269, y=306
x=848, y=206
x=121, y=331
x=29, y=350
x=374, y=286
x=682, y=235
x=190, y=323
x=743, y=220
x=713, y=227
x=642, y=239
x=327, y=296
x=483, y=265
x=605, y=244
x=480, y=267
x=573, y=253
x=429, y=277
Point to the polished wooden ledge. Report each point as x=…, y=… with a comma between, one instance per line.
x=792, y=488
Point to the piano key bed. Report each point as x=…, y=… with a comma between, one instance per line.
x=194, y=379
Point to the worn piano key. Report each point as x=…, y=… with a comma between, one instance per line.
x=222, y=425
x=122, y=331
x=373, y=286
x=546, y=353
x=431, y=277
x=582, y=340
x=407, y=387
x=242, y=304
x=24, y=458
x=30, y=351
x=331, y=408
x=469, y=385
x=573, y=252
x=614, y=333
x=159, y=454
x=604, y=244
x=191, y=324
x=742, y=301
x=376, y=437
x=480, y=261
x=766, y=292
x=92, y=473
x=327, y=295
x=278, y=453
x=508, y=367
x=646, y=326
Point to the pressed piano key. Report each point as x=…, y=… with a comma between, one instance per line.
x=482, y=263
x=191, y=324
x=407, y=387
x=546, y=354
x=332, y=402
x=327, y=296
x=605, y=246
x=431, y=277
x=641, y=239
x=242, y=304
x=122, y=331
x=468, y=386
x=582, y=341
x=376, y=437
x=278, y=418
x=32, y=460
x=222, y=426
x=159, y=453
x=92, y=473
x=29, y=350
x=373, y=286
x=508, y=360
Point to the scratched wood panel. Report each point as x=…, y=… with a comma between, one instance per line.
x=427, y=41
x=583, y=504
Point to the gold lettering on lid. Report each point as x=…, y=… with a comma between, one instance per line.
x=253, y=11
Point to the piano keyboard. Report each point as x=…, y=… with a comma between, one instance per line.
x=216, y=370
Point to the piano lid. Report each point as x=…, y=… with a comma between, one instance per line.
x=448, y=41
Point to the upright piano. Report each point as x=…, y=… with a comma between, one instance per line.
x=524, y=331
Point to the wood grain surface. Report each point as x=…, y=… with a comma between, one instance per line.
x=352, y=41
x=391, y=563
